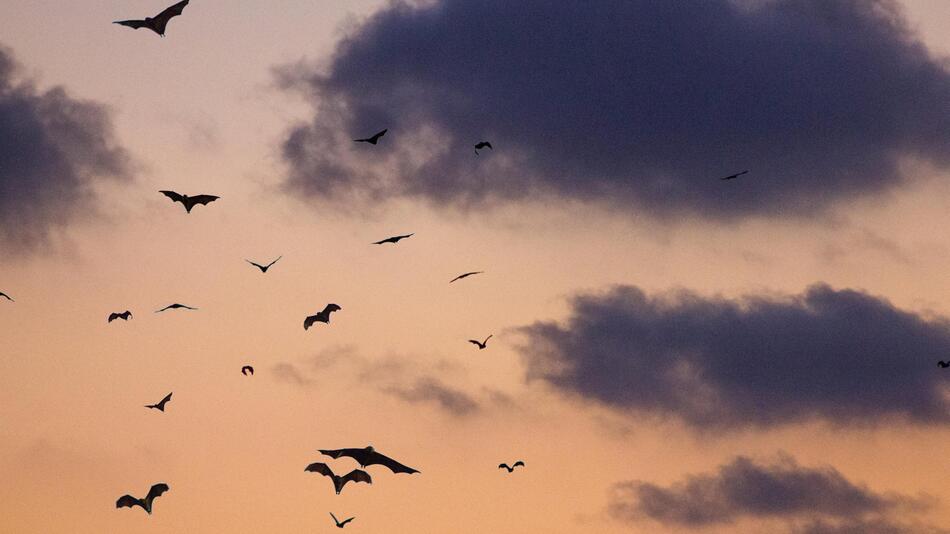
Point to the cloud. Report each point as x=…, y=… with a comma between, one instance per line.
x=54, y=149
x=637, y=104
x=432, y=390
x=841, y=356
x=809, y=500
x=287, y=372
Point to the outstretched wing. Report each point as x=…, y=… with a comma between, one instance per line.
x=166, y=399
x=330, y=308
x=258, y=265
x=504, y=466
x=356, y=475
x=321, y=468
x=273, y=262
x=113, y=317
x=203, y=199
x=519, y=462
x=174, y=196
x=378, y=135
x=308, y=322
x=4, y=295
x=394, y=466
x=474, y=342
x=135, y=24
x=156, y=490
x=161, y=20
x=127, y=500
x=335, y=520
x=345, y=521
x=338, y=453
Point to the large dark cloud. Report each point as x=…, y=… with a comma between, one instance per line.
x=812, y=500
x=714, y=363
x=640, y=103
x=53, y=149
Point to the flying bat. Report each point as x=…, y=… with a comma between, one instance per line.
x=4, y=295
x=125, y=316
x=943, y=364
x=340, y=524
x=190, y=202
x=158, y=22
x=512, y=468
x=466, y=275
x=369, y=456
x=481, y=145
x=734, y=176
x=323, y=317
x=374, y=139
x=160, y=405
x=247, y=370
x=355, y=475
x=481, y=344
x=394, y=239
x=175, y=307
x=263, y=268
x=146, y=503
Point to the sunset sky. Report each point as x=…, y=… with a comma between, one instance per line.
x=671, y=353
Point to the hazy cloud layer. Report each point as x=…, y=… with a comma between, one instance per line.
x=54, y=148
x=841, y=356
x=637, y=103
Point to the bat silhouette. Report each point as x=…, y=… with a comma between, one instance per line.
x=340, y=524
x=175, y=307
x=394, y=239
x=323, y=317
x=481, y=145
x=125, y=316
x=146, y=503
x=734, y=176
x=263, y=268
x=943, y=364
x=369, y=456
x=481, y=344
x=4, y=295
x=466, y=275
x=374, y=139
x=512, y=468
x=355, y=475
x=158, y=22
x=247, y=370
x=160, y=405
x=189, y=202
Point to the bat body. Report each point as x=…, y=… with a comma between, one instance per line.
x=157, y=23
x=340, y=524
x=512, y=468
x=369, y=456
x=125, y=316
x=374, y=139
x=175, y=307
x=466, y=275
x=394, y=239
x=323, y=316
x=481, y=344
x=943, y=364
x=189, y=202
x=264, y=268
x=734, y=176
x=160, y=405
x=355, y=475
x=481, y=145
x=247, y=370
x=146, y=503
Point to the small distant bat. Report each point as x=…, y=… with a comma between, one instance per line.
x=125, y=316
x=369, y=456
x=394, y=239
x=481, y=145
x=4, y=295
x=146, y=503
x=356, y=475
x=158, y=22
x=481, y=344
x=512, y=468
x=247, y=370
x=323, y=317
x=175, y=307
x=466, y=275
x=190, y=202
x=340, y=524
x=943, y=364
x=160, y=405
x=374, y=139
x=734, y=176
x=263, y=268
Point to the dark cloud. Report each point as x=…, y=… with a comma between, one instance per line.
x=843, y=357
x=639, y=103
x=432, y=390
x=54, y=148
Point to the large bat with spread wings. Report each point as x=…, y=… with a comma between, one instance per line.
x=146, y=503
x=189, y=202
x=369, y=456
x=356, y=475
x=322, y=317
x=158, y=22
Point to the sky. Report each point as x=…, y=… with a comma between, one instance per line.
x=671, y=352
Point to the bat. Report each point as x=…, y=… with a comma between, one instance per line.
x=323, y=317
x=340, y=524
x=943, y=364
x=175, y=307
x=158, y=22
x=512, y=468
x=146, y=503
x=355, y=475
x=160, y=405
x=4, y=295
x=394, y=239
x=734, y=176
x=374, y=139
x=125, y=316
x=247, y=370
x=481, y=344
x=369, y=456
x=481, y=145
x=190, y=202
x=263, y=268
x=466, y=275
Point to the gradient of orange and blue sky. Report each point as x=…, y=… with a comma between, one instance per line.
x=671, y=352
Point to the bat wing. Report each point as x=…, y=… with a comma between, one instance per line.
x=269, y=265
x=387, y=240
x=519, y=462
x=113, y=317
x=127, y=500
x=393, y=465
x=337, y=453
x=504, y=466
x=308, y=322
x=345, y=521
x=161, y=20
x=174, y=196
x=157, y=490
x=330, y=308
x=474, y=342
x=134, y=24
x=356, y=475
x=321, y=468
x=166, y=399
x=379, y=134
x=259, y=266
x=204, y=199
